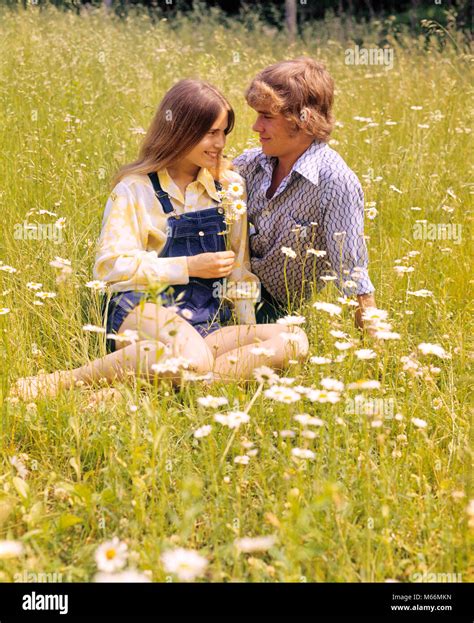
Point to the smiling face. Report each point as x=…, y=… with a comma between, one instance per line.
x=209, y=149
x=277, y=136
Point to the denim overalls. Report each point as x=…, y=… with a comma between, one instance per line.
x=190, y=233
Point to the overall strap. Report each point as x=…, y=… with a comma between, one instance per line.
x=162, y=197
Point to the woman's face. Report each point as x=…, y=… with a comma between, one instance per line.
x=207, y=152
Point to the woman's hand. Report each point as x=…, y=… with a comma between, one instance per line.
x=208, y=265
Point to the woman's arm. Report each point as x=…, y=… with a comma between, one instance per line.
x=121, y=251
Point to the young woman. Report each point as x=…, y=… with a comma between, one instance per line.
x=164, y=231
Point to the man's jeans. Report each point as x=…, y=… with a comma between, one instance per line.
x=268, y=309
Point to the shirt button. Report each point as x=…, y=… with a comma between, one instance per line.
x=201, y=233
x=220, y=210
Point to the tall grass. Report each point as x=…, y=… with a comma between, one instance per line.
x=378, y=501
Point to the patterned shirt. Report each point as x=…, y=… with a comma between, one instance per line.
x=134, y=233
x=317, y=212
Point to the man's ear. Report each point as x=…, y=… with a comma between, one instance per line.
x=305, y=115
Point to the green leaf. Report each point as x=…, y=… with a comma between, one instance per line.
x=67, y=520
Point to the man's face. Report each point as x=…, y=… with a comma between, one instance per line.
x=274, y=132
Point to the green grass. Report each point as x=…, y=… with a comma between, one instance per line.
x=375, y=503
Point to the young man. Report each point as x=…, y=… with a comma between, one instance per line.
x=302, y=196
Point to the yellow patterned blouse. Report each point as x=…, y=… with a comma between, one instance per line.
x=134, y=233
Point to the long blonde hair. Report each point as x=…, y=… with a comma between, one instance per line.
x=183, y=117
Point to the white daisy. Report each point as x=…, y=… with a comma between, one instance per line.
x=203, y=431
x=232, y=419
x=111, y=555
x=212, y=401
x=255, y=544
x=187, y=564
x=282, y=394
x=303, y=453
x=10, y=549
x=433, y=349
x=288, y=252
x=332, y=310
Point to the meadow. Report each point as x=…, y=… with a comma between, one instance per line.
x=374, y=488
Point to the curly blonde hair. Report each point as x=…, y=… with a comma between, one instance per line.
x=301, y=90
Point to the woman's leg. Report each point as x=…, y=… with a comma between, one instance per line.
x=162, y=334
x=232, y=349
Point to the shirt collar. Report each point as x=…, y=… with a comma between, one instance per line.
x=308, y=164
x=204, y=177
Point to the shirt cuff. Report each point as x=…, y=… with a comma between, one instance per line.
x=169, y=270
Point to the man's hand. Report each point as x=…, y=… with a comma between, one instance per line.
x=208, y=265
x=365, y=300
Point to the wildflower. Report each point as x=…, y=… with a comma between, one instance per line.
x=264, y=374
x=320, y=360
x=203, y=431
x=400, y=270
x=93, y=328
x=282, y=394
x=372, y=314
x=386, y=335
x=418, y=422
x=343, y=345
x=291, y=320
x=239, y=207
x=111, y=555
x=287, y=433
x=364, y=384
x=242, y=460
x=129, y=335
x=365, y=353
x=316, y=252
x=7, y=269
x=395, y=189
x=59, y=262
x=321, y=395
x=235, y=190
x=288, y=252
x=372, y=213
x=433, y=349
x=260, y=350
x=31, y=285
x=4, y=311
x=187, y=564
x=97, y=285
x=332, y=384
x=303, y=453
x=308, y=434
x=18, y=464
x=338, y=334
x=255, y=544
x=172, y=364
x=212, y=401
x=233, y=419
x=10, y=549
x=307, y=420
x=46, y=295
x=332, y=310
x=129, y=575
